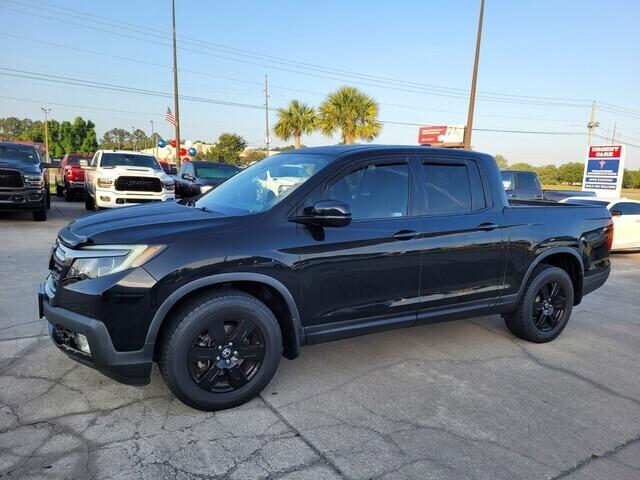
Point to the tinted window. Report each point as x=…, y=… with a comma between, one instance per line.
x=375, y=191
x=21, y=153
x=627, y=208
x=216, y=172
x=527, y=181
x=477, y=190
x=129, y=160
x=448, y=188
x=75, y=159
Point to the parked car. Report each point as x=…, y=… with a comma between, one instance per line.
x=24, y=180
x=626, y=219
x=169, y=168
x=525, y=185
x=70, y=177
x=558, y=195
x=196, y=177
x=117, y=178
x=371, y=238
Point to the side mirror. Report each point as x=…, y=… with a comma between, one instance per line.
x=186, y=176
x=506, y=184
x=326, y=213
x=616, y=213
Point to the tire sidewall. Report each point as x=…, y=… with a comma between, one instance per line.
x=545, y=276
x=192, y=325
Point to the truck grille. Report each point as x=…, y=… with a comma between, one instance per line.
x=138, y=184
x=10, y=179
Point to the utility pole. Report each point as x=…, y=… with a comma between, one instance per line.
x=175, y=86
x=153, y=140
x=46, y=133
x=592, y=125
x=474, y=80
x=267, y=138
x=613, y=137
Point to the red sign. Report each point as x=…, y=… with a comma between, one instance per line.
x=429, y=135
x=607, y=151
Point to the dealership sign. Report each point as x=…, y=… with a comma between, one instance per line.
x=603, y=170
x=441, y=135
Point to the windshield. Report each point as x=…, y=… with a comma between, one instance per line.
x=216, y=172
x=129, y=160
x=21, y=153
x=264, y=184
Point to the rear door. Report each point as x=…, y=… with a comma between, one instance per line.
x=626, y=232
x=460, y=236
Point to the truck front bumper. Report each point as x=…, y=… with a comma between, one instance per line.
x=24, y=198
x=87, y=340
x=109, y=198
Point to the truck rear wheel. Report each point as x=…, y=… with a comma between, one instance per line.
x=41, y=214
x=88, y=201
x=545, y=306
x=220, y=350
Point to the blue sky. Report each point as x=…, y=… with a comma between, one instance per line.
x=576, y=51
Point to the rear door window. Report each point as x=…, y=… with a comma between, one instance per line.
x=448, y=189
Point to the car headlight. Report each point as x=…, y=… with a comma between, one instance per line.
x=34, y=180
x=105, y=182
x=169, y=185
x=98, y=261
x=206, y=188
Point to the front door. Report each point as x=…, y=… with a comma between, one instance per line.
x=364, y=275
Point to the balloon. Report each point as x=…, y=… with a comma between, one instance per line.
x=162, y=143
x=188, y=144
x=186, y=159
x=192, y=151
x=183, y=152
x=173, y=143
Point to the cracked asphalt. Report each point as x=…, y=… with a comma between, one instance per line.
x=458, y=400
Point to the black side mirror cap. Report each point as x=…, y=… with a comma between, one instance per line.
x=325, y=213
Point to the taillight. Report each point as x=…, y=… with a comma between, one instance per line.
x=610, y=234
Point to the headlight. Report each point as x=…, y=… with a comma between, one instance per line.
x=169, y=185
x=105, y=182
x=34, y=180
x=205, y=188
x=97, y=261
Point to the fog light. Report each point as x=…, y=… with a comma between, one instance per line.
x=82, y=343
x=105, y=199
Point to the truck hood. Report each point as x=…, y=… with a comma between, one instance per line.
x=25, y=167
x=150, y=223
x=114, y=172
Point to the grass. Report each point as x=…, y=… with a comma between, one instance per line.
x=633, y=193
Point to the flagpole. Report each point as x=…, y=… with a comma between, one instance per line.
x=175, y=87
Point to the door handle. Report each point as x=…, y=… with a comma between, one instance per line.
x=487, y=226
x=405, y=235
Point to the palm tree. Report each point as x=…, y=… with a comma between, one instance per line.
x=298, y=119
x=352, y=112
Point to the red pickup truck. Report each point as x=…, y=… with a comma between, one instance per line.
x=70, y=177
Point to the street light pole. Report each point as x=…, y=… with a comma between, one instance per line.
x=175, y=86
x=474, y=79
x=46, y=132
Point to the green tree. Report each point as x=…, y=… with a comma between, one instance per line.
x=548, y=174
x=571, y=172
x=255, y=156
x=296, y=120
x=501, y=161
x=116, y=138
x=229, y=147
x=353, y=113
x=631, y=179
x=522, y=166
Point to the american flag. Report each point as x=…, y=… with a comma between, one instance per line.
x=170, y=117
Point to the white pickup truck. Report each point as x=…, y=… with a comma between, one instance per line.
x=117, y=178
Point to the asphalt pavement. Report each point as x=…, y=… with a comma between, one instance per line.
x=457, y=400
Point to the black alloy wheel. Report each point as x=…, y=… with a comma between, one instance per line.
x=226, y=355
x=548, y=306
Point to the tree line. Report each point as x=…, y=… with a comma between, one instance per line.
x=569, y=173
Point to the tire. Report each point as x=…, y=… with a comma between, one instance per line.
x=40, y=215
x=59, y=190
x=543, y=312
x=48, y=198
x=88, y=202
x=194, y=347
x=68, y=194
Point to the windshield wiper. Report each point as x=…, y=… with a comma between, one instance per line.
x=208, y=210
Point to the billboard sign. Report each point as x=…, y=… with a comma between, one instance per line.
x=441, y=135
x=603, y=170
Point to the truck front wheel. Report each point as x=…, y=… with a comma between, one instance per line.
x=220, y=350
x=545, y=306
x=88, y=201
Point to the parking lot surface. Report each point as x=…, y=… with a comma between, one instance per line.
x=458, y=400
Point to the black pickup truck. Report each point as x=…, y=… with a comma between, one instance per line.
x=24, y=180
x=370, y=238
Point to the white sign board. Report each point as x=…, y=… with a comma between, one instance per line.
x=603, y=170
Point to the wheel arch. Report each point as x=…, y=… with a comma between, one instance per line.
x=267, y=289
x=565, y=258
